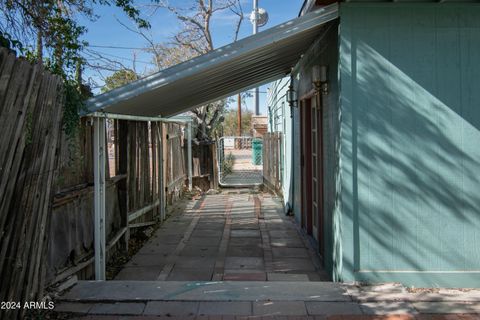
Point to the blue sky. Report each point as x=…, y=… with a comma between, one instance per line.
x=107, y=31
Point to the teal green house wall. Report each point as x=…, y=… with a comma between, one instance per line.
x=280, y=120
x=325, y=52
x=407, y=207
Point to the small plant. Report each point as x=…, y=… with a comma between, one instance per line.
x=227, y=166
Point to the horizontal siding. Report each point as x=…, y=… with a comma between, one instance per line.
x=279, y=120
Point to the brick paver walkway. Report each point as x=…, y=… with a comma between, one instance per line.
x=242, y=237
x=337, y=317
x=227, y=257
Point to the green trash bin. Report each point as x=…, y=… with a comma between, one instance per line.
x=257, y=151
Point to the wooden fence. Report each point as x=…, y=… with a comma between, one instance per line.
x=46, y=182
x=134, y=194
x=272, y=161
x=204, y=162
x=140, y=162
x=175, y=171
x=31, y=103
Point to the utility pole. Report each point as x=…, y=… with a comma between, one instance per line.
x=255, y=30
x=238, y=142
x=239, y=115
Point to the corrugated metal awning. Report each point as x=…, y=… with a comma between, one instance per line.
x=256, y=60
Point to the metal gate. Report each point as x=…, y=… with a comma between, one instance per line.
x=239, y=161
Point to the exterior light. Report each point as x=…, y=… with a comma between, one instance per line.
x=291, y=96
x=320, y=78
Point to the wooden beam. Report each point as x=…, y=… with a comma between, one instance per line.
x=142, y=224
x=134, y=215
x=71, y=271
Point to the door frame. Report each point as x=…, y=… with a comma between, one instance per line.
x=321, y=176
x=307, y=167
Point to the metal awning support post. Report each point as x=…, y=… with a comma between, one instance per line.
x=189, y=155
x=99, y=163
x=160, y=169
x=99, y=168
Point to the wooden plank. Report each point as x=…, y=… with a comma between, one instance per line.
x=82, y=265
x=6, y=72
x=138, y=213
x=131, y=167
x=50, y=140
x=122, y=149
x=153, y=162
x=16, y=180
x=13, y=127
x=142, y=224
x=175, y=183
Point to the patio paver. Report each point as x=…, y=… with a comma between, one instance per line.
x=222, y=238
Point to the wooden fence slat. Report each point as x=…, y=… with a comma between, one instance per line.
x=36, y=161
x=272, y=156
x=30, y=118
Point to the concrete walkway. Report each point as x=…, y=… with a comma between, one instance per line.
x=256, y=299
x=235, y=237
x=236, y=256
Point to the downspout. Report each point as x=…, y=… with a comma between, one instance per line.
x=292, y=173
x=292, y=160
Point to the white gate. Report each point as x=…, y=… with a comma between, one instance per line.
x=239, y=161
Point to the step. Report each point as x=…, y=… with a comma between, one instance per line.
x=124, y=291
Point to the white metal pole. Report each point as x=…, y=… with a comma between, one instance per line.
x=255, y=21
x=162, y=176
x=99, y=196
x=255, y=30
x=189, y=151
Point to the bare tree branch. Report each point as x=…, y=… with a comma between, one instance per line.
x=196, y=38
x=238, y=10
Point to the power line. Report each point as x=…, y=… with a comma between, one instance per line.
x=116, y=47
x=92, y=52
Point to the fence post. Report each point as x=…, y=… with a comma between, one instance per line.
x=99, y=195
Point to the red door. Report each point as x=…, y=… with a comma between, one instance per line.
x=312, y=168
x=306, y=162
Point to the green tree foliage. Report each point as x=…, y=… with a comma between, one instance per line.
x=49, y=32
x=51, y=27
x=230, y=124
x=118, y=79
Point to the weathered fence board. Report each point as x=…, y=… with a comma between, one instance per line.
x=31, y=103
x=204, y=166
x=46, y=182
x=143, y=182
x=272, y=150
x=175, y=161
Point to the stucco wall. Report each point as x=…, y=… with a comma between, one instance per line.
x=410, y=151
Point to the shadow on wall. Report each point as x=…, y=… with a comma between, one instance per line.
x=411, y=154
